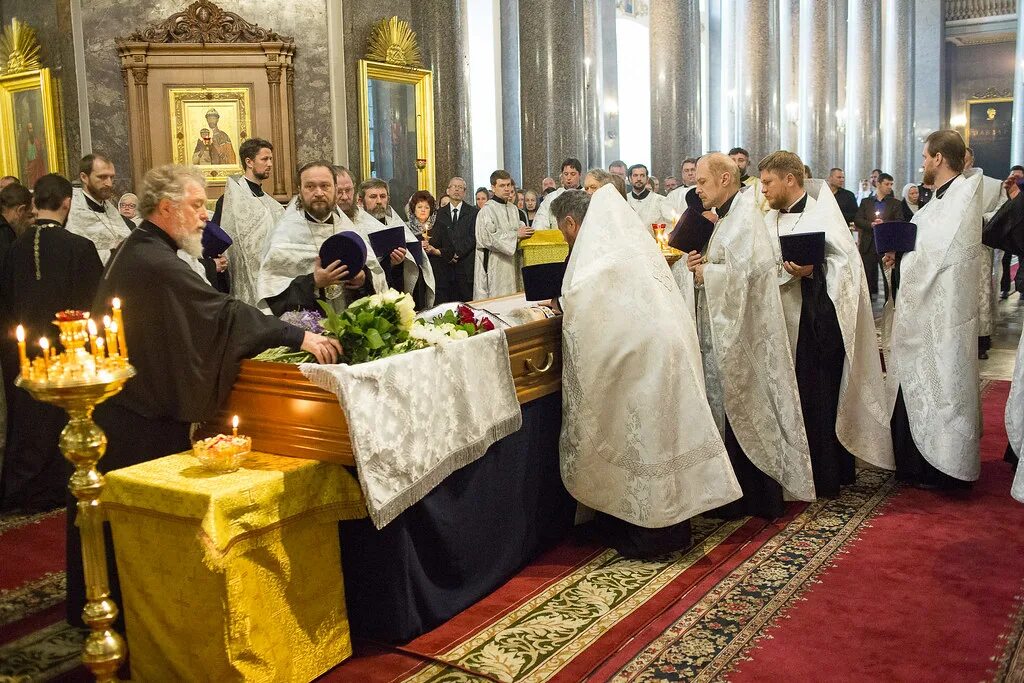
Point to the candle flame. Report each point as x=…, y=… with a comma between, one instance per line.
x=99, y=345
x=20, y=332
x=92, y=327
x=116, y=303
x=113, y=327
x=106, y=321
x=44, y=343
x=234, y=422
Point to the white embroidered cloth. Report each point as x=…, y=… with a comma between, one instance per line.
x=417, y=417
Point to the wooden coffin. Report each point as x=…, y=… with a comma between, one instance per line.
x=285, y=414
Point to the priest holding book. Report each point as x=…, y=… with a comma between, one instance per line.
x=830, y=324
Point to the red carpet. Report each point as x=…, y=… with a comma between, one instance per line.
x=924, y=595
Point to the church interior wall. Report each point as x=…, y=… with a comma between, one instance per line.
x=306, y=22
x=51, y=20
x=976, y=69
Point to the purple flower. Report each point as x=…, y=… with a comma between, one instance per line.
x=311, y=321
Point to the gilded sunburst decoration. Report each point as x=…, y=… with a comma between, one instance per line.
x=393, y=41
x=19, y=49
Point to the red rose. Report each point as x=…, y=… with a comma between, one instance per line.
x=466, y=315
x=486, y=325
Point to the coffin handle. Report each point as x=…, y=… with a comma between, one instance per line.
x=532, y=369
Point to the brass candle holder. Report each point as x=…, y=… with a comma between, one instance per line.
x=78, y=380
x=670, y=253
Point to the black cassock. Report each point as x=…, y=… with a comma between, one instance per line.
x=34, y=471
x=820, y=356
x=186, y=341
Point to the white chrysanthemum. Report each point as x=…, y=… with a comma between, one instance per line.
x=406, y=311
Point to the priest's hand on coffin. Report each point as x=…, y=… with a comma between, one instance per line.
x=324, y=277
x=553, y=305
x=356, y=281
x=525, y=231
x=324, y=349
x=397, y=256
x=889, y=259
x=221, y=262
x=692, y=260
x=797, y=270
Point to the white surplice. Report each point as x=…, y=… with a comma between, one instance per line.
x=411, y=270
x=545, y=220
x=248, y=220
x=293, y=246
x=992, y=197
x=497, y=245
x=638, y=439
x=748, y=365
x=651, y=209
x=934, y=330
x=1013, y=418
x=862, y=423
x=106, y=230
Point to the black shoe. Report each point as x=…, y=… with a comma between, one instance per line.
x=982, y=355
x=1003, y=296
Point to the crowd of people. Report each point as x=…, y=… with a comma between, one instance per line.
x=775, y=379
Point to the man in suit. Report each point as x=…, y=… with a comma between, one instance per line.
x=454, y=234
x=878, y=208
x=844, y=198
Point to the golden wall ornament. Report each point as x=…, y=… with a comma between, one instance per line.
x=205, y=22
x=392, y=41
x=19, y=49
x=31, y=138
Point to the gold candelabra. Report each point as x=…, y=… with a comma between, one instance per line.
x=670, y=253
x=78, y=380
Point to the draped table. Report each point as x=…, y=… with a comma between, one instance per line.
x=232, y=576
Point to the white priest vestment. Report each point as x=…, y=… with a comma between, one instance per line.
x=106, y=230
x=545, y=220
x=748, y=366
x=411, y=271
x=638, y=439
x=862, y=423
x=934, y=324
x=496, y=270
x=1014, y=419
x=293, y=246
x=248, y=220
x=992, y=197
x=651, y=208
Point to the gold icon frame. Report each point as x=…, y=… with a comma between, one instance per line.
x=43, y=82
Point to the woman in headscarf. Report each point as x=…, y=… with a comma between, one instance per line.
x=530, y=206
x=911, y=195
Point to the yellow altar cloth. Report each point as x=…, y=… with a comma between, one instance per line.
x=232, y=576
x=545, y=246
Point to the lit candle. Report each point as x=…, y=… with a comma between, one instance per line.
x=92, y=336
x=111, y=339
x=234, y=426
x=44, y=344
x=119, y=321
x=22, y=355
x=99, y=352
x=878, y=214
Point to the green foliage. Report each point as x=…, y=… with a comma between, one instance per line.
x=368, y=330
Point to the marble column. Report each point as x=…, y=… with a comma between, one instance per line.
x=929, y=71
x=817, y=144
x=789, y=74
x=511, y=128
x=897, y=123
x=757, y=77
x=442, y=29
x=552, y=107
x=863, y=64
x=609, y=81
x=726, y=46
x=1017, y=141
x=675, y=84
x=593, y=80
x=839, y=22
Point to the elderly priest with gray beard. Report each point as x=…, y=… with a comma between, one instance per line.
x=639, y=443
x=187, y=340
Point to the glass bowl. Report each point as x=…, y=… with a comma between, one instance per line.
x=222, y=453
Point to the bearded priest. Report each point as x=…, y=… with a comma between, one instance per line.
x=93, y=215
x=932, y=376
x=248, y=215
x=498, y=231
x=291, y=275
x=748, y=365
x=831, y=328
x=402, y=269
x=652, y=458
